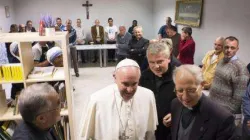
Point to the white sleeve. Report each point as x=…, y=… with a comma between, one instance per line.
x=36, y=54
x=88, y=121
x=83, y=34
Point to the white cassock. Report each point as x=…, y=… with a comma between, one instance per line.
x=108, y=116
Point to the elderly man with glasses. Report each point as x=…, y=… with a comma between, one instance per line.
x=40, y=107
x=194, y=115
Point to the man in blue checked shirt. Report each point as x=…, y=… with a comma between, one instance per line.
x=72, y=42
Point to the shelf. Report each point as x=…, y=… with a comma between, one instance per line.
x=58, y=76
x=9, y=115
x=6, y=82
x=30, y=37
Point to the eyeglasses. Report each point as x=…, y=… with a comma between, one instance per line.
x=189, y=91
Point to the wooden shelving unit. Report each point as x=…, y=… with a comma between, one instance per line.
x=62, y=74
x=8, y=116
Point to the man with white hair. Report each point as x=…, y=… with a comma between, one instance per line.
x=121, y=111
x=138, y=46
x=40, y=112
x=123, y=39
x=194, y=115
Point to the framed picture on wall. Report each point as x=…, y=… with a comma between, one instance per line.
x=7, y=11
x=188, y=12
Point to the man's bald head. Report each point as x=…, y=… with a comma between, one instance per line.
x=122, y=30
x=97, y=22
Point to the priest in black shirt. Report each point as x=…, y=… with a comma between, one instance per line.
x=138, y=46
x=195, y=116
x=158, y=78
x=39, y=105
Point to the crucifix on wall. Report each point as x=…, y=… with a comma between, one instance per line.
x=87, y=5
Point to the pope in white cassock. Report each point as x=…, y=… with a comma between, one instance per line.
x=121, y=111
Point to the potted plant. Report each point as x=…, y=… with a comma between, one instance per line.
x=49, y=24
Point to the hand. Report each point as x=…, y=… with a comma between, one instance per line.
x=178, y=57
x=248, y=124
x=207, y=86
x=167, y=120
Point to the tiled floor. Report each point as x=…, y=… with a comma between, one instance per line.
x=92, y=78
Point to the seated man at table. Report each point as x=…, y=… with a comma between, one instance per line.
x=39, y=53
x=40, y=111
x=138, y=46
x=97, y=32
x=123, y=39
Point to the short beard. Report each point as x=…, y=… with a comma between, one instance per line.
x=226, y=59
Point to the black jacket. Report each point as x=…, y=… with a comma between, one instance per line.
x=26, y=131
x=164, y=95
x=212, y=122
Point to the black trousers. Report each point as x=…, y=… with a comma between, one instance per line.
x=96, y=52
x=162, y=132
x=121, y=57
x=15, y=89
x=138, y=58
x=73, y=54
x=245, y=131
x=111, y=52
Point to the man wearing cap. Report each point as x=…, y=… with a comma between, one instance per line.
x=121, y=111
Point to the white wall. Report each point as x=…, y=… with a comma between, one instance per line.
x=6, y=22
x=220, y=18
x=122, y=11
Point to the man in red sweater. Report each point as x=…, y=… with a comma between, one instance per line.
x=186, y=47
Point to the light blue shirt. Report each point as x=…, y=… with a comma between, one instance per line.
x=234, y=58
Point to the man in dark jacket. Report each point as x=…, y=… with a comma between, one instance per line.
x=40, y=112
x=138, y=46
x=159, y=79
x=195, y=116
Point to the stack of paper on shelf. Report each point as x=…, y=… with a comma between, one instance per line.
x=42, y=72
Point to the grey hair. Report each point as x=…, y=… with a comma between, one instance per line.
x=68, y=21
x=168, y=42
x=122, y=26
x=220, y=38
x=138, y=28
x=34, y=100
x=158, y=47
x=192, y=69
